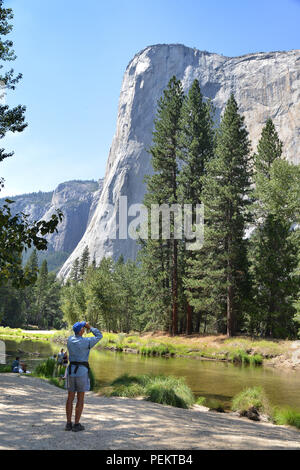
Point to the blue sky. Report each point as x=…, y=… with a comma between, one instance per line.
x=73, y=55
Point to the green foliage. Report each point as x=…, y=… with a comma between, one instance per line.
x=251, y=397
x=274, y=247
x=170, y=391
x=201, y=401
x=131, y=391
x=158, y=389
x=286, y=416
x=5, y=368
x=215, y=405
x=46, y=368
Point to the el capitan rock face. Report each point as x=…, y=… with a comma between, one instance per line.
x=265, y=85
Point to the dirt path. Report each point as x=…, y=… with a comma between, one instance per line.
x=32, y=417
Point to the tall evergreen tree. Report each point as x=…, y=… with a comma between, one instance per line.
x=84, y=262
x=75, y=275
x=274, y=246
x=222, y=263
x=162, y=189
x=196, y=141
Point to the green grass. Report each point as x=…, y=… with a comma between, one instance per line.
x=51, y=371
x=256, y=397
x=158, y=389
x=4, y=368
x=286, y=416
x=251, y=397
x=242, y=357
x=215, y=405
x=201, y=401
x=170, y=391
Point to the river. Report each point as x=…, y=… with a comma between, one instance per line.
x=206, y=378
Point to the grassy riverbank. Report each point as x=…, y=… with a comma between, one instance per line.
x=238, y=349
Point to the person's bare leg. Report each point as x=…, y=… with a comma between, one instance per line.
x=79, y=406
x=69, y=406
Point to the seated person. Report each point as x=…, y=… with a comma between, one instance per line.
x=15, y=365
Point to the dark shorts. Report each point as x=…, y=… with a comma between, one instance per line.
x=78, y=384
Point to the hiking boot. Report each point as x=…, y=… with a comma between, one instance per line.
x=68, y=427
x=77, y=427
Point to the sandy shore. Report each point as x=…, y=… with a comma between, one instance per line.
x=32, y=416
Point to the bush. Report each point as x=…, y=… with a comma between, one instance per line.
x=251, y=398
x=129, y=391
x=170, y=391
x=159, y=389
x=46, y=368
x=240, y=356
x=128, y=380
x=5, y=368
x=286, y=416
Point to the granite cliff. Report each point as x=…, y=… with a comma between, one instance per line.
x=76, y=199
x=264, y=84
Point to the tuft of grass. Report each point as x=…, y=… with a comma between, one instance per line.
x=46, y=368
x=240, y=356
x=158, y=389
x=286, y=416
x=251, y=397
x=130, y=391
x=256, y=360
x=128, y=380
x=201, y=401
x=215, y=405
x=169, y=391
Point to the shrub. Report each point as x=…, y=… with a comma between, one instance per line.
x=45, y=368
x=251, y=398
x=130, y=391
x=240, y=356
x=159, y=389
x=128, y=380
x=286, y=416
x=256, y=359
x=5, y=368
x=170, y=391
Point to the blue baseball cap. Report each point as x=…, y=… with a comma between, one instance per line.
x=78, y=325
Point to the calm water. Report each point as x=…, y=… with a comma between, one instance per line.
x=205, y=378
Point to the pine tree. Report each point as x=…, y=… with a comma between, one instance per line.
x=274, y=246
x=84, y=262
x=196, y=150
x=222, y=263
x=268, y=150
x=75, y=275
x=162, y=189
